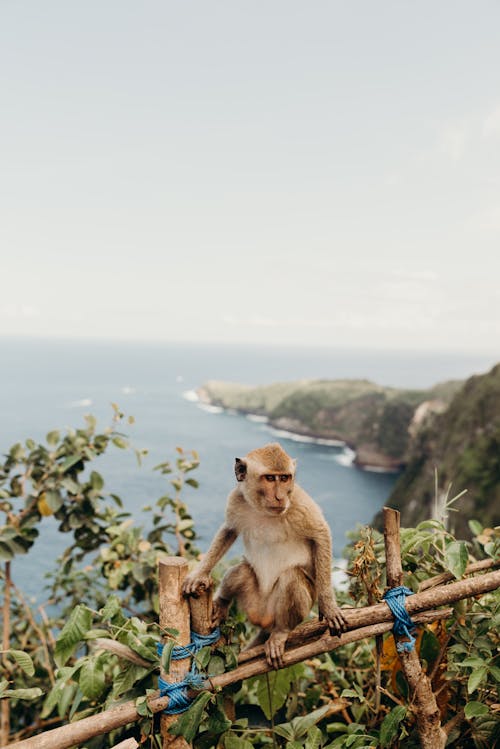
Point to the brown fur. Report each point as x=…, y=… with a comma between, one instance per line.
x=288, y=553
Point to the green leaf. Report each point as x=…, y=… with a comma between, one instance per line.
x=23, y=694
x=53, y=499
x=429, y=647
x=65, y=699
x=73, y=632
x=70, y=461
x=166, y=655
x=302, y=725
x=476, y=678
x=475, y=527
x=112, y=607
x=91, y=678
x=203, y=657
x=126, y=678
x=495, y=672
x=216, y=666
x=456, y=557
x=93, y=634
x=231, y=741
x=390, y=725
x=53, y=437
x=5, y=551
x=475, y=709
x=217, y=722
x=23, y=660
x=278, y=689
x=141, y=705
x=96, y=481
x=473, y=662
x=120, y=442
x=314, y=738
x=188, y=723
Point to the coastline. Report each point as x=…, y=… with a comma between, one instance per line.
x=352, y=455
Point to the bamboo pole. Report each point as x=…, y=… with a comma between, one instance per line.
x=378, y=618
x=174, y=613
x=425, y=706
x=441, y=595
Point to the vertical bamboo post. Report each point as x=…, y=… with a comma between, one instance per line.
x=429, y=728
x=174, y=613
x=201, y=622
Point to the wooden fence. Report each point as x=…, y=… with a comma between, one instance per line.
x=308, y=640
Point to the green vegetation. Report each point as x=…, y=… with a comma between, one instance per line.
x=55, y=670
x=463, y=445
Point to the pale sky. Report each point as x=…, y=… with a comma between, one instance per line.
x=317, y=172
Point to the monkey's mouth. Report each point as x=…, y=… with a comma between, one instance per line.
x=277, y=510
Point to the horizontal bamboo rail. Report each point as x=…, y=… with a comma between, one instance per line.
x=308, y=640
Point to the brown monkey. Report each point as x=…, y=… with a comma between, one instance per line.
x=288, y=552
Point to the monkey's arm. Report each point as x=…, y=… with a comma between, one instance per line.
x=328, y=607
x=200, y=578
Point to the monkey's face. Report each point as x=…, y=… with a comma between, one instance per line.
x=274, y=492
x=267, y=477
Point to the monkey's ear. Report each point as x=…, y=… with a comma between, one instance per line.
x=240, y=469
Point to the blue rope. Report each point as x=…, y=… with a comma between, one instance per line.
x=177, y=692
x=403, y=625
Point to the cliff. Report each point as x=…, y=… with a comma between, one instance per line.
x=378, y=423
x=463, y=444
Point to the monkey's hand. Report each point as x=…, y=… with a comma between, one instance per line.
x=274, y=648
x=195, y=583
x=334, y=617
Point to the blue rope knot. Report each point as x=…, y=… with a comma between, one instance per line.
x=403, y=625
x=177, y=691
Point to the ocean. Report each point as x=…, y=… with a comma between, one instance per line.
x=47, y=385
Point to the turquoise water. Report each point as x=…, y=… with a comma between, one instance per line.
x=48, y=385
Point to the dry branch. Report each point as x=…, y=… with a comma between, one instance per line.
x=445, y=577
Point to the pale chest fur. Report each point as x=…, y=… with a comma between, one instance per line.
x=273, y=547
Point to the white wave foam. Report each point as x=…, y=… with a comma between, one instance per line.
x=210, y=409
x=83, y=403
x=191, y=395
x=346, y=457
x=258, y=419
x=293, y=437
x=378, y=469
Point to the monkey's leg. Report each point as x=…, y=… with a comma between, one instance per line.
x=290, y=601
x=239, y=582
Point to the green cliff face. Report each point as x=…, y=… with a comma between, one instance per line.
x=377, y=422
x=463, y=444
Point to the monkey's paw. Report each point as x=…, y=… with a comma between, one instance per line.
x=334, y=617
x=194, y=584
x=274, y=648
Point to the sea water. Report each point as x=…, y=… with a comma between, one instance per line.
x=46, y=385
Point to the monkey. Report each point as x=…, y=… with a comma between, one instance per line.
x=288, y=553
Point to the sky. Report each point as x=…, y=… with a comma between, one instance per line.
x=281, y=172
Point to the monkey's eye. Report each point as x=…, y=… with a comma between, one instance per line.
x=269, y=477
x=285, y=477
